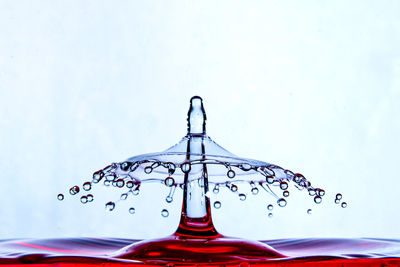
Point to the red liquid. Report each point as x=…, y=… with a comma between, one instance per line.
x=107, y=252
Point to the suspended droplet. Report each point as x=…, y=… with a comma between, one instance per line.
x=134, y=166
x=254, y=190
x=281, y=202
x=90, y=198
x=110, y=206
x=270, y=207
x=270, y=215
x=242, y=197
x=309, y=211
x=217, y=204
x=97, y=176
x=339, y=196
x=231, y=174
x=164, y=213
x=120, y=183
x=298, y=177
x=321, y=192
x=286, y=193
x=245, y=167
x=132, y=210
x=337, y=201
x=148, y=169
x=107, y=183
x=270, y=179
x=234, y=188
x=171, y=168
x=110, y=177
x=125, y=165
x=283, y=185
x=185, y=167
x=311, y=192
x=169, y=181
x=317, y=199
x=129, y=184
x=60, y=197
x=124, y=196
x=344, y=204
x=84, y=199
x=169, y=199
x=74, y=190
x=87, y=186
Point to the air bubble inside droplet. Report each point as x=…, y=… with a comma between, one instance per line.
x=270, y=179
x=87, y=186
x=168, y=199
x=74, y=190
x=270, y=215
x=132, y=210
x=90, y=198
x=148, y=169
x=283, y=185
x=60, y=197
x=169, y=181
x=120, y=183
x=281, y=202
x=317, y=199
x=344, y=205
x=339, y=196
x=234, y=188
x=217, y=204
x=270, y=207
x=231, y=174
x=164, y=213
x=129, y=184
x=186, y=167
x=286, y=193
x=84, y=199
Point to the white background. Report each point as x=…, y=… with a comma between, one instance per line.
x=313, y=86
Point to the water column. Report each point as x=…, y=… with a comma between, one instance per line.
x=196, y=212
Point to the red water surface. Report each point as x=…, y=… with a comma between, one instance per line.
x=112, y=252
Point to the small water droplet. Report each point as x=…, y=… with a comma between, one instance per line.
x=321, y=192
x=286, y=193
x=84, y=199
x=164, y=213
x=60, y=197
x=125, y=165
x=311, y=192
x=97, y=176
x=270, y=207
x=185, y=167
x=107, y=183
x=309, y=211
x=270, y=179
x=245, y=167
x=242, y=197
x=217, y=204
x=231, y=174
x=132, y=210
x=216, y=189
x=281, y=202
x=129, y=184
x=110, y=206
x=270, y=215
x=298, y=177
x=169, y=199
x=283, y=185
x=90, y=198
x=124, y=196
x=110, y=177
x=148, y=169
x=317, y=199
x=254, y=190
x=344, y=204
x=74, y=190
x=339, y=196
x=337, y=201
x=234, y=188
x=120, y=183
x=169, y=181
x=87, y=186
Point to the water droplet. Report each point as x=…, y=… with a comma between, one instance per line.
x=124, y=196
x=90, y=198
x=311, y=192
x=60, y=197
x=125, y=165
x=87, y=186
x=110, y=177
x=129, y=184
x=298, y=177
x=317, y=199
x=337, y=201
x=270, y=179
x=164, y=213
x=185, y=167
x=242, y=197
x=309, y=211
x=281, y=202
x=344, y=204
x=171, y=168
x=234, y=188
x=339, y=196
x=132, y=210
x=134, y=166
x=84, y=199
x=107, y=183
x=283, y=185
x=216, y=189
x=169, y=181
x=169, y=199
x=148, y=169
x=74, y=190
x=286, y=193
x=245, y=167
x=110, y=206
x=231, y=174
x=217, y=204
x=97, y=176
x=254, y=190
x=120, y=183
x=321, y=192
x=270, y=207
x=270, y=215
